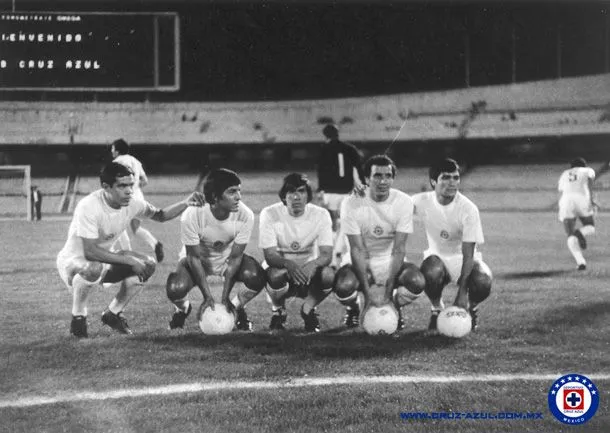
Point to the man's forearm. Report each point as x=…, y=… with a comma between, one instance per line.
x=233, y=265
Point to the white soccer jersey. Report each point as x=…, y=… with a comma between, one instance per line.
x=377, y=222
x=198, y=226
x=448, y=226
x=134, y=165
x=296, y=238
x=576, y=181
x=94, y=219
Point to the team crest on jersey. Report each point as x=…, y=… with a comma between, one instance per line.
x=444, y=234
x=573, y=399
x=378, y=231
x=218, y=245
x=295, y=246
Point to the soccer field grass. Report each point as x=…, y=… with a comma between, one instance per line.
x=543, y=319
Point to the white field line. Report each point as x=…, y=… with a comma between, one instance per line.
x=288, y=383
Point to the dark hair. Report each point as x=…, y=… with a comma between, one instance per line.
x=113, y=170
x=217, y=182
x=578, y=162
x=446, y=165
x=292, y=182
x=382, y=160
x=331, y=131
x=121, y=146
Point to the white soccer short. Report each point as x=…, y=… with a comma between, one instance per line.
x=67, y=266
x=333, y=201
x=574, y=206
x=453, y=263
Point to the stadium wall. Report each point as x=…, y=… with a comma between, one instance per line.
x=547, y=119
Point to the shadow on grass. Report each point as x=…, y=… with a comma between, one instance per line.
x=575, y=316
x=533, y=274
x=330, y=344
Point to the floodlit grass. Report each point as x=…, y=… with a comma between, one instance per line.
x=543, y=317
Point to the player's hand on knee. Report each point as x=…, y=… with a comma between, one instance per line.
x=195, y=199
x=296, y=274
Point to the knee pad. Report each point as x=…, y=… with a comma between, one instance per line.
x=327, y=277
x=479, y=286
x=176, y=288
x=252, y=274
x=92, y=272
x=277, y=278
x=346, y=283
x=433, y=270
x=413, y=280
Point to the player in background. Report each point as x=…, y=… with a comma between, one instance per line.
x=297, y=241
x=377, y=226
x=577, y=202
x=120, y=152
x=453, y=230
x=339, y=171
x=214, y=239
x=87, y=261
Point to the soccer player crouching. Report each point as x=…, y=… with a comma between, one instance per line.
x=88, y=258
x=215, y=237
x=377, y=226
x=297, y=241
x=453, y=230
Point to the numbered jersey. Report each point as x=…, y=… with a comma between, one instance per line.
x=336, y=166
x=576, y=181
x=198, y=226
x=296, y=238
x=448, y=226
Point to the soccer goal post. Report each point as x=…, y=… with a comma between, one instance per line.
x=15, y=192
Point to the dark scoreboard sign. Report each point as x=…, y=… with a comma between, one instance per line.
x=56, y=51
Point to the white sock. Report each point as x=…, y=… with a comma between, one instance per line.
x=575, y=250
x=130, y=287
x=81, y=290
x=587, y=230
x=440, y=306
x=182, y=304
x=146, y=236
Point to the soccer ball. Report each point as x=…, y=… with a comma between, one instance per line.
x=454, y=322
x=218, y=321
x=382, y=320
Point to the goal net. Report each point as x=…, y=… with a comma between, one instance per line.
x=15, y=192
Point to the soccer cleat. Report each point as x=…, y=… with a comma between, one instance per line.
x=582, y=267
x=159, y=252
x=277, y=320
x=312, y=324
x=582, y=242
x=241, y=322
x=78, y=326
x=179, y=317
x=475, y=319
x=433, y=321
x=116, y=322
x=352, y=317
